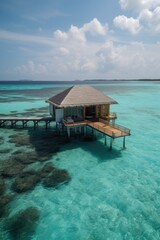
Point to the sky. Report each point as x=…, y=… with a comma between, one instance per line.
x=77, y=40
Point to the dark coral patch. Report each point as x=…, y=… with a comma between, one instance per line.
x=23, y=224
x=25, y=181
x=4, y=200
x=2, y=186
x=11, y=169
x=46, y=170
x=58, y=177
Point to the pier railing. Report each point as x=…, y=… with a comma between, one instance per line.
x=121, y=128
x=122, y=131
x=102, y=129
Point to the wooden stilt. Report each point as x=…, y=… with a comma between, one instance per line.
x=124, y=143
x=105, y=140
x=92, y=131
x=111, y=141
x=68, y=132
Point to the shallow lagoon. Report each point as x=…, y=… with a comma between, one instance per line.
x=112, y=194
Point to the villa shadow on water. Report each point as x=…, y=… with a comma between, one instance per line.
x=95, y=148
x=43, y=144
x=50, y=142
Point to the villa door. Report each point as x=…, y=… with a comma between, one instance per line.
x=90, y=111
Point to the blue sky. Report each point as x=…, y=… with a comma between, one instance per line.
x=72, y=39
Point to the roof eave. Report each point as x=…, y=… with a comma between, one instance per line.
x=80, y=104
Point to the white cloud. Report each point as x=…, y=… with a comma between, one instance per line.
x=138, y=5
x=145, y=15
x=63, y=51
x=74, y=33
x=107, y=60
x=148, y=16
x=130, y=24
x=32, y=68
x=155, y=21
x=151, y=19
x=94, y=27
x=73, y=55
x=107, y=56
x=60, y=35
x=77, y=34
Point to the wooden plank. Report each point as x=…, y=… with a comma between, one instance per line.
x=107, y=129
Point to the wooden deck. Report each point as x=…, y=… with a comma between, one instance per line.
x=111, y=130
x=12, y=121
x=114, y=131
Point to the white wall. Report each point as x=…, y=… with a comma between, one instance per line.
x=59, y=114
x=51, y=109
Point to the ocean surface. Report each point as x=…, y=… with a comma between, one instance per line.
x=111, y=195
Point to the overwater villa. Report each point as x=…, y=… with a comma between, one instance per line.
x=74, y=110
x=80, y=106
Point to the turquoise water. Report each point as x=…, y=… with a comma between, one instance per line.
x=112, y=194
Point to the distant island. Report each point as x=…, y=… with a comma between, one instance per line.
x=29, y=81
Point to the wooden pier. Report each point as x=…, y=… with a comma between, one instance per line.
x=111, y=130
x=12, y=121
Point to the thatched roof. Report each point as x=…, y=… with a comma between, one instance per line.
x=80, y=96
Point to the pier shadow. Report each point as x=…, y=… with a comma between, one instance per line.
x=95, y=148
x=46, y=143
x=102, y=152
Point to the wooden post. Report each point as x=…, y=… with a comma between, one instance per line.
x=111, y=141
x=105, y=140
x=68, y=132
x=92, y=131
x=124, y=143
x=46, y=124
x=35, y=124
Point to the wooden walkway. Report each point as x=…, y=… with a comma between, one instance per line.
x=108, y=129
x=111, y=130
x=12, y=121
